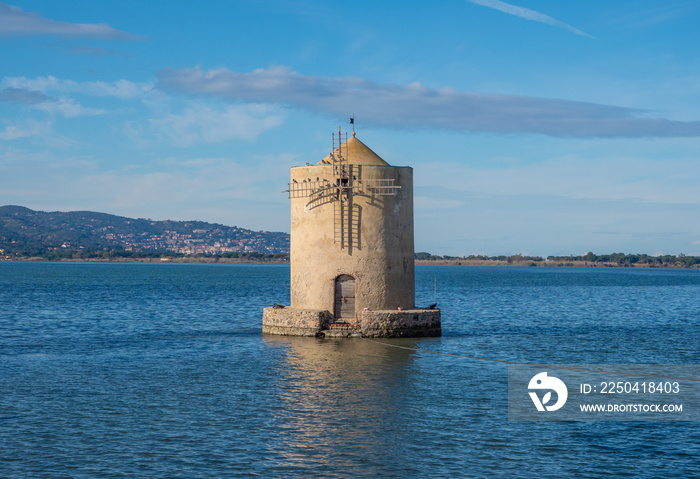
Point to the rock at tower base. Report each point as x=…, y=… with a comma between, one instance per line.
x=410, y=323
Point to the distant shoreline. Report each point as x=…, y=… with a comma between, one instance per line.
x=548, y=264
x=422, y=262
x=185, y=259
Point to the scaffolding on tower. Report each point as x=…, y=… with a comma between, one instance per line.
x=342, y=207
x=340, y=190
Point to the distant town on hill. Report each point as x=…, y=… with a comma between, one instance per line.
x=86, y=234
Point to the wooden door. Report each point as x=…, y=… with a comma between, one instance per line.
x=345, y=297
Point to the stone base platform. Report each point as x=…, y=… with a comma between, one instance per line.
x=411, y=323
x=295, y=322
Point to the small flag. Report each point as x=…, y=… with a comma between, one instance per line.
x=352, y=120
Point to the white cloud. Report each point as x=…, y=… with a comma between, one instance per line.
x=40, y=101
x=527, y=14
x=169, y=120
x=12, y=132
x=25, y=130
x=16, y=22
x=124, y=89
x=19, y=95
x=203, y=123
x=416, y=106
x=68, y=108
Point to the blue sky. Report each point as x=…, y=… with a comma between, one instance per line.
x=533, y=126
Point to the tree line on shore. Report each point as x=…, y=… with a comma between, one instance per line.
x=620, y=259
x=623, y=259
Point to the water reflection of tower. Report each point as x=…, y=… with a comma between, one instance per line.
x=351, y=249
x=341, y=400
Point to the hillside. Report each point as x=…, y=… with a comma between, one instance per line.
x=25, y=232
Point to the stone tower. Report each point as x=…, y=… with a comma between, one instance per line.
x=351, y=249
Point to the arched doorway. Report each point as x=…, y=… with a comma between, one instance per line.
x=344, y=297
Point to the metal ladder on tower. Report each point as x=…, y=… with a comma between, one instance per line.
x=342, y=207
x=339, y=229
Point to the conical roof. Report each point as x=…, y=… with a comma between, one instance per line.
x=358, y=153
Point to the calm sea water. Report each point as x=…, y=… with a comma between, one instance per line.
x=160, y=370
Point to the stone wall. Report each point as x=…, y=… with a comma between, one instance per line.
x=294, y=322
x=411, y=323
x=401, y=324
